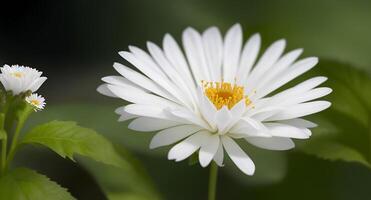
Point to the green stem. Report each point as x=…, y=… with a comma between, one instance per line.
x=13, y=146
x=4, y=143
x=22, y=117
x=369, y=133
x=213, y=178
x=3, y=154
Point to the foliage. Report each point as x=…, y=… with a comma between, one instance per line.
x=68, y=139
x=25, y=184
x=344, y=131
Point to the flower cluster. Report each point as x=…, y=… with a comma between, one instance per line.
x=216, y=93
x=20, y=80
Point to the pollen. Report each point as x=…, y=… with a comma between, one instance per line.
x=224, y=94
x=35, y=102
x=17, y=74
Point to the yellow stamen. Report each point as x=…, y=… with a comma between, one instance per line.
x=17, y=74
x=224, y=94
x=35, y=102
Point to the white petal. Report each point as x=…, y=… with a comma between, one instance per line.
x=276, y=71
x=213, y=46
x=308, y=96
x=177, y=59
x=142, y=81
x=248, y=57
x=294, y=71
x=190, y=117
x=297, y=90
x=219, y=155
x=232, y=50
x=238, y=156
x=284, y=130
x=37, y=84
x=172, y=135
x=147, y=124
x=298, y=122
x=121, y=81
x=134, y=95
x=236, y=113
x=264, y=113
x=208, y=150
x=300, y=110
x=124, y=116
x=273, y=143
x=4, y=82
x=103, y=89
x=144, y=63
x=177, y=80
x=223, y=118
x=249, y=127
x=193, y=47
x=207, y=109
x=270, y=56
x=148, y=111
x=188, y=146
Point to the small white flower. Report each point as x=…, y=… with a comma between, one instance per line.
x=215, y=94
x=20, y=79
x=37, y=101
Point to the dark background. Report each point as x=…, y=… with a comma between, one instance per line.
x=75, y=42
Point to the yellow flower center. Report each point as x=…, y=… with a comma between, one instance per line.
x=35, y=102
x=18, y=74
x=225, y=94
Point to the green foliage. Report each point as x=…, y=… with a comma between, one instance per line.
x=123, y=183
x=2, y=131
x=344, y=131
x=16, y=109
x=25, y=184
x=68, y=139
x=2, y=134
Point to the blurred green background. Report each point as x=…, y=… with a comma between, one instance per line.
x=75, y=42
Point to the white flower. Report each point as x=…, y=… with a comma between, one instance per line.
x=215, y=94
x=37, y=101
x=20, y=79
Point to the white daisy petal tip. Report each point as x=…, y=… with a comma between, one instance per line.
x=313, y=60
x=256, y=37
x=281, y=43
x=237, y=26
x=117, y=66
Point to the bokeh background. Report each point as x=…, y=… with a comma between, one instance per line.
x=75, y=42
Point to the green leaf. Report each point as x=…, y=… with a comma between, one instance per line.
x=2, y=134
x=2, y=131
x=335, y=151
x=68, y=139
x=25, y=184
x=344, y=131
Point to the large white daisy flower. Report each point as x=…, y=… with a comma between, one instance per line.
x=37, y=101
x=216, y=93
x=20, y=79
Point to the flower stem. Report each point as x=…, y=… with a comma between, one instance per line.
x=3, y=154
x=213, y=178
x=4, y=142
x=14, y=144
x=369, y=133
